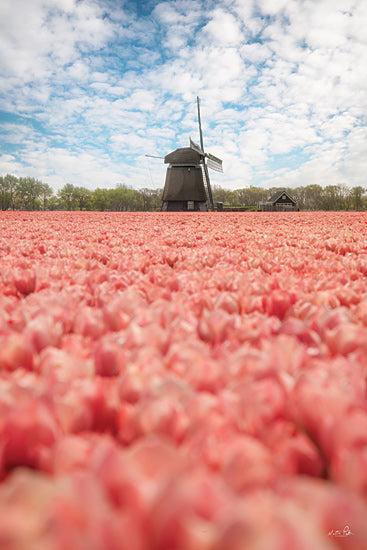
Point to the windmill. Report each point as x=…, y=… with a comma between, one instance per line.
x=187, y=185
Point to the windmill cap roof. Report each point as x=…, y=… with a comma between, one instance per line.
x=185, y=155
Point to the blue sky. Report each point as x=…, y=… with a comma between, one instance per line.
x=89, y=87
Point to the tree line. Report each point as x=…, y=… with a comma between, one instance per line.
x=31, y=194
x=27, y=193
x=309, y=197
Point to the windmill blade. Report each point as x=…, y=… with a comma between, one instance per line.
x=196, y=147
x=214, y=162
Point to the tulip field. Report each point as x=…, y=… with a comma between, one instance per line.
x=183, y=381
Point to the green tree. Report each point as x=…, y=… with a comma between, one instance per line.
x=313, y=197
x=343, y=193
x=67, y=197
x=82, y=197
x=243, y=197
x=28, y=192
x=150, y=199
x=357, y=198
x=54, y=203
x=334, y=197
x=10, y=185
x=156, y=195
x=251, y=196
x=223, y=195
x=298, y=194
x=46, y=194
x=123, y=199
x=100, y=199
x=4, y=195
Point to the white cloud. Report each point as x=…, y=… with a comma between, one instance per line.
x=273, y=7
x=247, y=12
x=14, y=133
x=178, y=20
x=96, y=88
x=36, y=35
x=223, y=28
x=255, y=53
x=9, y=165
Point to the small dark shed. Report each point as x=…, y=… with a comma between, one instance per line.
x=281, y=201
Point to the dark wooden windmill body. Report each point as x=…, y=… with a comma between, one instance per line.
x=187, y=186
x=184, y=186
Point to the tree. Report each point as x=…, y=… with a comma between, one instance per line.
x=100, y=200
x=46, y=194
x=357, y=194
x=10, y=184
x=82, y=197
x=67, y=197
x=299, y=195
x=313, y=196
x=334, y=197
x=243, y=197
x=4, y=199
x=54, y=203
x=151, y=199
x=250, y=196
x=156, y=195
x=28, y=192
x=123, y=199
x=223, y=195
x=343, y=193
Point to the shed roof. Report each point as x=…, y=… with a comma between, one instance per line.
x=276, y=196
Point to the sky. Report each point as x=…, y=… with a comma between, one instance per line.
x=88, y=88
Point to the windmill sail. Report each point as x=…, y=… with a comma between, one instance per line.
x=209, y=161
x=214, y=162
x=196, y=147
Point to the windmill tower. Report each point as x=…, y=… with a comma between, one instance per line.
x=187, y=185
